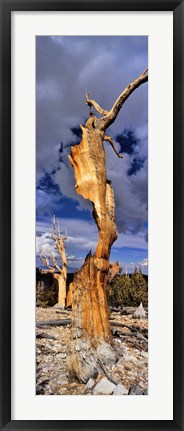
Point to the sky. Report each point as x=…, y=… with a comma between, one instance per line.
x=67, y=66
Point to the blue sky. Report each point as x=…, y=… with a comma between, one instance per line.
x=65, y=67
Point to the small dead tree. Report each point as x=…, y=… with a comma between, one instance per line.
x=92, y=342
x=53, y=263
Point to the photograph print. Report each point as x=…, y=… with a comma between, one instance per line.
x=92, y=215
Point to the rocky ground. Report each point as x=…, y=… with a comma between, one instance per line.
x=130, y=372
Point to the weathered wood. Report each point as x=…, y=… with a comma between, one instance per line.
x=90, y=319
x=114, y=271
x=123, y=325
x=130, y=334
x=91, y=333
x=63, y=312
x=110, y=378
x=44, y=335
x=127, y=311
x=69, y=296
x=58, y=322
x=132, y=328
x=51, y=262
x=115, y=310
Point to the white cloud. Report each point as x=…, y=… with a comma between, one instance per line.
x=144, y=262
x=66, y=66
x=83, y=237
x=130, y=240
x=45, y=243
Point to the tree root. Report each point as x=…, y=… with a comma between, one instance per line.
x=110, y=378
x=85, y=361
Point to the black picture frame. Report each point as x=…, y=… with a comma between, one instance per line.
x=6, y=7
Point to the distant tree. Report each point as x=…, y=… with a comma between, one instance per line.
x=56, y=264
x=139, y=288
x=137, y=279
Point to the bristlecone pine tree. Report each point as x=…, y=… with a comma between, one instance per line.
x=54, y=267
x=92, y=344
x=114, y=270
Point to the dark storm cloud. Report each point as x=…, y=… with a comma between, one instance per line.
x=66, y=67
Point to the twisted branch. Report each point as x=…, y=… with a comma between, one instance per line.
x=46, y=262
x=110, y=140
x=112, y=114
x=96, y=106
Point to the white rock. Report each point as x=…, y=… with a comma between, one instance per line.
x=104, y=387
x=60, y=355
x=62, y=380
x=120, y=362
x=144, y=354
x=120, y=390
x=59, y=307
x=140, y=312
x=129, y=358
x=90, y=384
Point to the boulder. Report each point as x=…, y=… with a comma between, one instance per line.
x=129, y=358
x=104, y=387
x=120, y=362
x=58, y=306
x=135, y=390
x=90, y=384
x=140, y=312
x=144, y=354
x=120, y=390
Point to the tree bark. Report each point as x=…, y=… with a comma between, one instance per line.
x=69, y=296
x=91, y=333
x=58, y=322
x=61, y=279
x=114, y=270
x=92, y=343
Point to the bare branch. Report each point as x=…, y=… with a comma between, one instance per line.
x=46, y=271
x=58, y=229
x=96, y=106
x=45, y=261
x=56, y=266
x=53, y=222
x=110, y=140
x=112, y=114
x=54, y=237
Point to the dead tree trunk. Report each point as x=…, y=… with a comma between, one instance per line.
x=69, y=296
x=92, y=342
x=114, y=270
x=61, y=279
x=51, y=262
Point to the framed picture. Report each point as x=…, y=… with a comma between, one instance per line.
x=96, y=301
